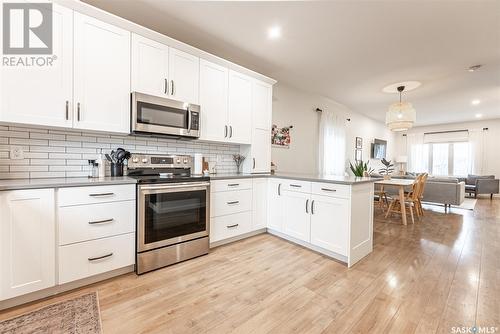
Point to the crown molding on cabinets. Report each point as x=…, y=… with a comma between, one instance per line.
x=146, y=32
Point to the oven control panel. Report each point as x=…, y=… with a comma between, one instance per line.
x=138, y=160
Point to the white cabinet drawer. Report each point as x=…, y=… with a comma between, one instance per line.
x=295, y=185
x=229, y=202
x=230, y=226
x=229, y=185
x=95, y=194
x=87, y=222
x=331, y=189
x=94, y=257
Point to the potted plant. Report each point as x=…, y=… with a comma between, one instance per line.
x=387, y=170
x=360, y=168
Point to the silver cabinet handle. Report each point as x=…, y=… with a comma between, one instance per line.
x=101, y=194
x=326, y=189
x=279, y=189
x=166, y=87
x=233, y=184
x=233, y=202
x=230, y=131
x=67, y=110
x=225, y=131
x=307, y=206
x=189, y=120
x=295, y=185
x=78, y=111
x=253, y=163
x=231, y=226
x=173, y=88
x=99, y=257
x=101, y=221
x=312, y=207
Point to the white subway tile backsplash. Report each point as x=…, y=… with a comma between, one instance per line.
x=38, y=175
x=22, y=141
x=65, y=153
x=28, y=168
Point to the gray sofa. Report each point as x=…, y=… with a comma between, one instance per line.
x=440, y=190
x=479, y=185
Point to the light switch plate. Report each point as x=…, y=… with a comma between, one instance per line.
x=16, y=153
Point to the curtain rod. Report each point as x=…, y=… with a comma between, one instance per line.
x=321, y=110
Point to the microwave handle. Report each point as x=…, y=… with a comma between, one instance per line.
x=189, y=120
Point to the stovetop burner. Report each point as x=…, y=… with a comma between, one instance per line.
x=169, y=179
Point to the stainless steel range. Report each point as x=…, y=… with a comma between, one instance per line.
x=172, y=210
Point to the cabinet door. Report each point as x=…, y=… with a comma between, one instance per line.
x=259, y=206
x=275, y=217
x=261, y=151
x=329, y=223
x=149, y=66
x=42, y=95
x=184, y=71
x=262, y=96
x=102, y=76
x=240, y=108
x=297, y=222
x=27, y=247
x=213, y=101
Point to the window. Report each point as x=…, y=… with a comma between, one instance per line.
x=441, y=159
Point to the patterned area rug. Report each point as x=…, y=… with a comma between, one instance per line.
x=77, y=315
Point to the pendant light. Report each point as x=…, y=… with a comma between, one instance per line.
x=401, y=116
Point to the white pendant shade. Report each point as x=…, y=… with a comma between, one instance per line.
x=401, y=116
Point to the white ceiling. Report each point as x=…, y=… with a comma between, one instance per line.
x=350, y=50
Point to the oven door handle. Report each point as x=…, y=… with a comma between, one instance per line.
x=186, y=185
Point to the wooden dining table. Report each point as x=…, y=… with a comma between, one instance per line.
x=400, y=184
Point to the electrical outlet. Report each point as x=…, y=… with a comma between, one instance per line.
x=16, y=153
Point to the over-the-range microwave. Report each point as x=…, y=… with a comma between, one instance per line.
x=158, y=115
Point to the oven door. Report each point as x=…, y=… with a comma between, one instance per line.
x=172, y=213
x=152, y=114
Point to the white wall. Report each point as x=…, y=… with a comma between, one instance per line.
x=295, y=107
x=491, y=163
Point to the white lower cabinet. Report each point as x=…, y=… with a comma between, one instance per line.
x=329, y=223
x=27, y=241
x=230, y=226
x=94, y=257
x=296, y=213
x=259, y=205
x=87, y=222
x=275, y=211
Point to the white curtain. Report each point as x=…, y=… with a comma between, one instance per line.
x=418, y=153
x=331, y=144
x=476, y=141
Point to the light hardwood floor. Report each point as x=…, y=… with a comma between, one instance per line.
x=425, y=278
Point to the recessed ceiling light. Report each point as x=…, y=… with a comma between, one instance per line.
x=479, y=115
x=274, y=32
x=475, y=102
x=474, y=68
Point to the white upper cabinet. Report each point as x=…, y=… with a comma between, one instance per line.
x=149, y=66
x=240, y=108
x=102, y=75
x=42, y=95
x=261, y=151
x=213, y=101
x=184, y=70
x=27, y=241
x=262, y=105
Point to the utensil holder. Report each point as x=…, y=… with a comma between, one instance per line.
x=116, y=169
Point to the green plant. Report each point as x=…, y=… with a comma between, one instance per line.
x=359, y=168
x=388, y=167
